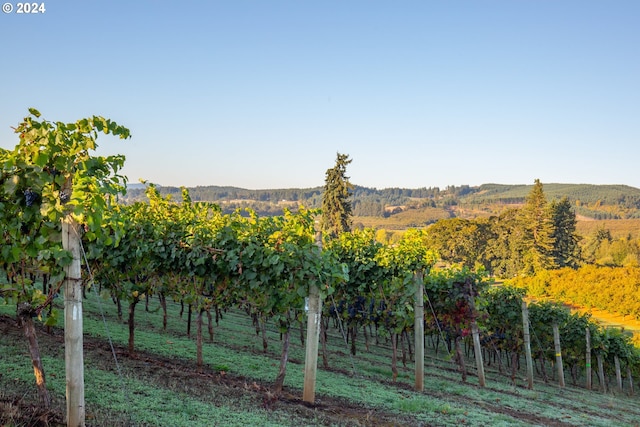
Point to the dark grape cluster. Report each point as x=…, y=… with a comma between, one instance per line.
x=52, y=170
x=64, y=196
x=30, y=197
x=358, y=310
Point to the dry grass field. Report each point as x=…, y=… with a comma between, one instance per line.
x=619, y=228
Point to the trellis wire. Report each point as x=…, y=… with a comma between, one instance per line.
x=125, y=390
x=435, y=317
x=344, y=336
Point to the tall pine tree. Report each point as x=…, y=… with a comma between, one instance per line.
x=336, y=206
x=566, y=251
x=538, y=239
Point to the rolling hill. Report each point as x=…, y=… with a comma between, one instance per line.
x=424, y=205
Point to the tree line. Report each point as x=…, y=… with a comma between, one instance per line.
x=521, y=241
x=593, y=201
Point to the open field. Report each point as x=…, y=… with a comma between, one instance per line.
x=411, y=218
x=419, y=218
x=161, y=386
x=619, y=228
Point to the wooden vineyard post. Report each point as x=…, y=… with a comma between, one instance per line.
x=313, y=335
x=556, y=342
x=601, y=377
x=314, y=317
x=527, y=344
x=419, y=330
x=616, y=361
x=476, y=338
x=588, y=357
x=73, y=341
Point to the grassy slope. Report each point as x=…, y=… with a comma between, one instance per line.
x=619, y=228
x=411, y=218
x=151, y=393
x=587, y=193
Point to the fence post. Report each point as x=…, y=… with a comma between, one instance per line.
x=588, y=357
x=419, y=330
x=476, y=338
x=556, y=342
x=616, y=361
x=314, y=317
x=527, y=344
x=73, y=341
x=603, y=380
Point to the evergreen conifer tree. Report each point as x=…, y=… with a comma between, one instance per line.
x=566, y=251
x=538, y=239
x=336, y=206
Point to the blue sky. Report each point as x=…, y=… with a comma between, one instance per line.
x=263, y=94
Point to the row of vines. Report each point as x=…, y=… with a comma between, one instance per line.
x=192, y=253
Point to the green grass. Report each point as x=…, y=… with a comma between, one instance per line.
x=141, y=403
x=151, y=394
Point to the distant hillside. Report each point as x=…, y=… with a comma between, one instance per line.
x=422, y=205
x=366, y=201
x=589, y=200
x=585, y=193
